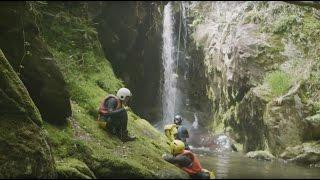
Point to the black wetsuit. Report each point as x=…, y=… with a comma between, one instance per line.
x=117, y=119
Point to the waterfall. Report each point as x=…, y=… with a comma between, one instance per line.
x=169, y=93
x=195, y=123
x=184, y=6
x=174, y=62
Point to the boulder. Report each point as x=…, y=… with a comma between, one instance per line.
x=307, y=153
x=24, y=150
x=260, y=155
x=73, y=168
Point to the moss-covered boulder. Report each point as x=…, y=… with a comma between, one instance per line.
x=29, y=56
x=284, y=125
x=24, y=150
x=73, y=168
x=260, y=155
x=307, y=153
x=312, y=126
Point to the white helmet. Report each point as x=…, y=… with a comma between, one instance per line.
x=123, y=93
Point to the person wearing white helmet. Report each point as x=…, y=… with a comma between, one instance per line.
x=113, y=111
x=183, y=132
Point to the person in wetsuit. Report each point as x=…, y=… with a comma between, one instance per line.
x=113, y=110
x=183, y=133
x=187, y=161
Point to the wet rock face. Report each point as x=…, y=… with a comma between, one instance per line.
x=245, y=42
x=31, y=59
x=196, y=84
x=307, y=153
x=130, y=35
x=23, y=145
x=253, y=129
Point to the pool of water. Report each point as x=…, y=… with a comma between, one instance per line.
x=236, y=165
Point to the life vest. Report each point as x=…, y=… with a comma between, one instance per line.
x=195, y=166
x=103, y=110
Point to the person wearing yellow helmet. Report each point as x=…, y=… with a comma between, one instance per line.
x=177, y=131
x=187, y=161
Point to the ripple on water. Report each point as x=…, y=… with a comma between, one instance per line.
x=236, y=165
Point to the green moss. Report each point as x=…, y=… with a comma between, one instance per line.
x=73, y=168
x=314, y=119
x=89, y=77
x=284, y=24
x=279, y=82
x=15, y=97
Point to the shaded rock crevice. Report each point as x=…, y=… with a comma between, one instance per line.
x=29, y=56
x=24, y=150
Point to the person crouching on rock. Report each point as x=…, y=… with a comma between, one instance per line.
x=113, y=110
x=187, y=161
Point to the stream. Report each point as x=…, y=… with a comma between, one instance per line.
x=230, y=165
x=226, y=19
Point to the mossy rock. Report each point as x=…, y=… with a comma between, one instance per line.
x=307, y=153
x=23, y=145
x=30, y=58
x=284, y=125
x=260, y=155
x=73, y=168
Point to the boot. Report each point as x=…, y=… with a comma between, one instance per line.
x=126, y=137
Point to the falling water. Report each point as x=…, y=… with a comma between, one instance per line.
x=169, y=64
x=195, y=123
x=184, y=6
x=184, y=9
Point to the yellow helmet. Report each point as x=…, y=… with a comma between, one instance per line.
x=177, y=147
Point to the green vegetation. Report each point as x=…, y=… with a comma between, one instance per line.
x=279, y=82
x=82, y=146
x=76, y=49
x=74, y=168
x=284, y=24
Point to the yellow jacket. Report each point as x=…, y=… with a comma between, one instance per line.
x=171, y=131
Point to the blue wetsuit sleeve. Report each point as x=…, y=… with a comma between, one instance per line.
x=185, y=132
x=111, y=105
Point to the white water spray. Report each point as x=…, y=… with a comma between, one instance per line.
x=169, y=64
x=195, y=123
